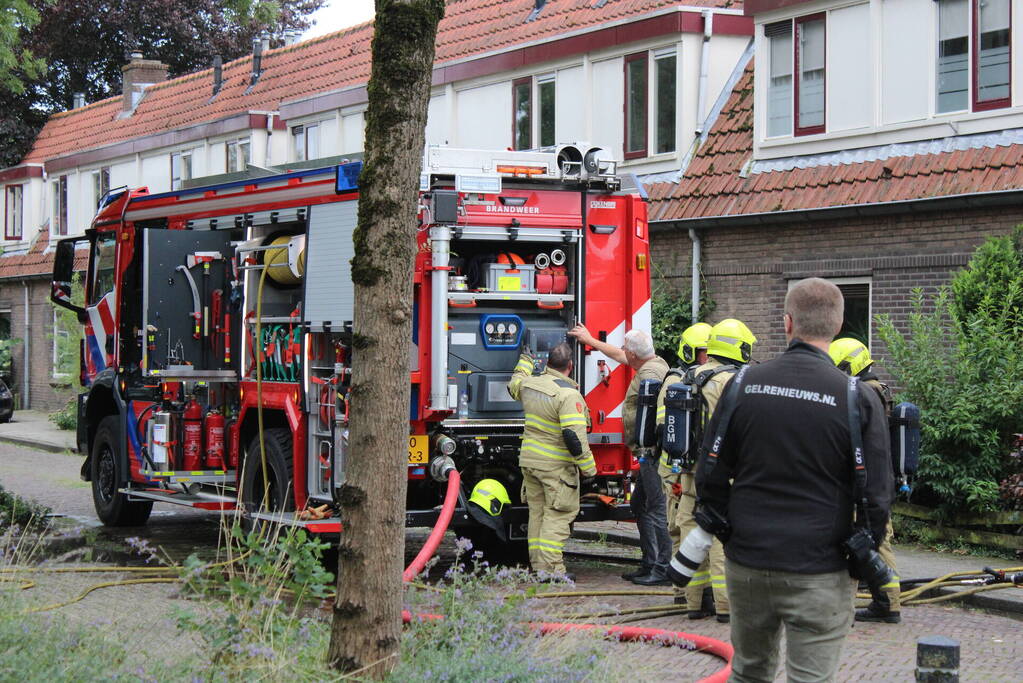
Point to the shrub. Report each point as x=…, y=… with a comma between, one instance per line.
x=961, y=362
x=15, y=510
x=671, y=313
x=67, y=416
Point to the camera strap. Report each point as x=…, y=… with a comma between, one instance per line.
x=727, y=407
x=859, y=466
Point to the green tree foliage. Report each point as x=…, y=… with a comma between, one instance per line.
x=671, y=313
x=17, y=17
x=960, y=360
x=67, y=337
x=86, y=42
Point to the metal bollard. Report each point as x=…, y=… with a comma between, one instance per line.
x=937, y=660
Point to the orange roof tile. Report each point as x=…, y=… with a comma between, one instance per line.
x=713, y=177
x=329, y=63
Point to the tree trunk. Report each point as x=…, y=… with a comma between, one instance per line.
x=367, y=612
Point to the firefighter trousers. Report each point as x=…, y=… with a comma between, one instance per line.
x=553, y=500
x=888, y=596
x=712, y=571
x=674, y=533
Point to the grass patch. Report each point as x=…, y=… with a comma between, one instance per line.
x=921, y=533
x=16, y=511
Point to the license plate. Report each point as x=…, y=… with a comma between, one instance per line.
x=417, y=449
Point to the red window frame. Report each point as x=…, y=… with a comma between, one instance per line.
x=798, y=130
x=62, y=219
x=8, y=235
x=639, y=153
x=526, y=81
x=986, y=105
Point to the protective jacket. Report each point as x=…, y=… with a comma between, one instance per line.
x=885, y=394
x=782, y=474
x=552, y=403
x=654, y=368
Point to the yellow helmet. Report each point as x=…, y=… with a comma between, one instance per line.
x=850, y=355
x=730, y=338
x=491, y=495
x=693, y=339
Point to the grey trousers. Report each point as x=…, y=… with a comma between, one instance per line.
x=815, y=609
x=651, y=509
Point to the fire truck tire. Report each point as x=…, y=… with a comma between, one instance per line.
x=279, y=462
x=113, y=507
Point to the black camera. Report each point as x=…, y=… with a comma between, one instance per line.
x=864, y=562
x=695, y=546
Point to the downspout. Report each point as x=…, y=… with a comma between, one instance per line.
x=440, y=239
x=701, y=98
x=695, y=302
x=25, y=364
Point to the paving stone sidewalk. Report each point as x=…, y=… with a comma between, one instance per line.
x=33, y=428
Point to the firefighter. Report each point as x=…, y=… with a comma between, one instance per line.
x=729, y=347
x=853, y=357
x=554, y=450
x=692, y=352
x=648, y=503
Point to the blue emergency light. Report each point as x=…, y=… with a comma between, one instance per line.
x=347, y=177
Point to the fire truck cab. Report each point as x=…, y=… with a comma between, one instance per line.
x=211, y=310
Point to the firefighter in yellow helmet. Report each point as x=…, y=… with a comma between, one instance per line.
x=852, y=357
x=729, y=347
x=692, y=351
x=555, y=449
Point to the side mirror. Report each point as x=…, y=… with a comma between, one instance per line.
x=63, y=273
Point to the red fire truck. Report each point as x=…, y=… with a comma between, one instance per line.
x=206, y=303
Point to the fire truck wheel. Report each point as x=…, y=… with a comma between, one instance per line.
x=112, y=506
x=279, y=463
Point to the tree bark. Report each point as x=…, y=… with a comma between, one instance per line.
x=367, y=612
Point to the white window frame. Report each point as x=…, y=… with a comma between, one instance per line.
x=857, y=280
x=654, y=142
x=305, y=127
x=60, y=223
x=240, y=151
x=98, y=191
x=57, y=331
x=177, y=181
x=14, y=221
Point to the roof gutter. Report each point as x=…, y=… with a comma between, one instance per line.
x=975, y=200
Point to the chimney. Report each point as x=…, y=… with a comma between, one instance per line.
x=137, y=75
x=218, y=74
x=264, y=41
x=257, y=62
x=79, y=100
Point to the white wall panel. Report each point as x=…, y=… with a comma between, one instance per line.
x=437, y=125
x=352, y=137
x=569, y=107
x=330, y=143
x=608, y=91
x=850, y=67
x=484, y=117
x=907, y=55
x=156, y=173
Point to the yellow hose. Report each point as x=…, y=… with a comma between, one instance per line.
x=107, y=584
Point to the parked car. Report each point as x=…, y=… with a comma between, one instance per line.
x=6, y=403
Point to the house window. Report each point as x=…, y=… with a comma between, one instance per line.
x=545, y=86
x=526, y=109
x=306, y=141
x=856, y=320
x=181, y=169
x=993, y=22
x=665, y=74
x=809, y=66
x=636, y=105
x=522, y=113
x=237, y=155
x=14, y=214
x=100, y=184
x=779, y=85
x=60, y=220
x=974, y=52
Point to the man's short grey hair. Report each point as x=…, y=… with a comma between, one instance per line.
x=560, y=357
x=639, y=343
x=816, y=307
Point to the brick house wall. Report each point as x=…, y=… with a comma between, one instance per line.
x=46, y=393
x=747, y=268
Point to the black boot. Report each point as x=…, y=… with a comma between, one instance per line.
x=706, y=606
x=879, y=610
x=656, y=577
x=642, y=571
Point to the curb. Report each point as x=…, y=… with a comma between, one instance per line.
x=38, y=445
x=986, y=601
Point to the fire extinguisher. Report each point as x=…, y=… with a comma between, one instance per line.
x=214, y=433
x=192, y=441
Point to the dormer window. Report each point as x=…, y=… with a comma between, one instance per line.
x=804, y=57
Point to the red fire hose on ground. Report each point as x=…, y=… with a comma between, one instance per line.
x=663, y=637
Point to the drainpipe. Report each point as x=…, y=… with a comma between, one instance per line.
x=25, y=364
x=701, y=99
x=696, y=274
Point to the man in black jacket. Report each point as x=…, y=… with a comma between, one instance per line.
x=781, y=472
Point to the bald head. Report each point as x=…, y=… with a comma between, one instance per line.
x=815, y=308
x=560, y=358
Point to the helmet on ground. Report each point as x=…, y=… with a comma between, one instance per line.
x=730, y=338
x=693, y=339
x=850, y=355
x=490, y=495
